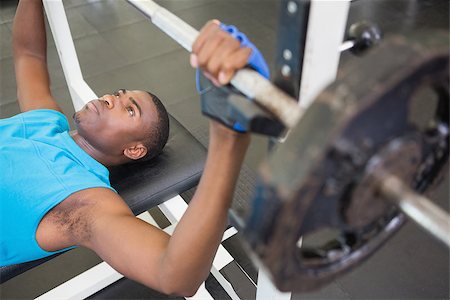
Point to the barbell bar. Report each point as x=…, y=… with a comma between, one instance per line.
x=421, y=210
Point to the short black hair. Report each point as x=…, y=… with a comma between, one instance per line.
x=159, y=134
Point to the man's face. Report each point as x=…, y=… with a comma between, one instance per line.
x=115, y=121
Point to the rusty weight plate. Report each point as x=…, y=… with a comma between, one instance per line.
x=304, y=223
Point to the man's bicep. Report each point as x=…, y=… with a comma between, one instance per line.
x=33, y=84
x=131, y=246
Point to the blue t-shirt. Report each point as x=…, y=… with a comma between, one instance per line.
x=40, y=166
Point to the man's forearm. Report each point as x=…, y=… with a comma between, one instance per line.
x=195, y=241
x=30, y=57
x=29, y=30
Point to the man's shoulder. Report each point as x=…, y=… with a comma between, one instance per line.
x=46, y=117
x=35, y=123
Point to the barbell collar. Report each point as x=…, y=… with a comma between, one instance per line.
x=247, y=81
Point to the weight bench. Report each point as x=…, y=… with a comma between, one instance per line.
x=148, y=184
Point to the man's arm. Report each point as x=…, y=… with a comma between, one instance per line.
x=176, y=264
x=30, y=57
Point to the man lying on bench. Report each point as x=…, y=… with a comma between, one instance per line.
x=54, y=186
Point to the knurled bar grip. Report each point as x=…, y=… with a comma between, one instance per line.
x=247, y=81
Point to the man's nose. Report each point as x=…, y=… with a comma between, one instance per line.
x=110, y=101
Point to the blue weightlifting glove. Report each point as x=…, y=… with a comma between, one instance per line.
x=256, y=60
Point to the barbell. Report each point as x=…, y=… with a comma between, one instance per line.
x=355, y=163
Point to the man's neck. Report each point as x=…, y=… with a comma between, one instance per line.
x=104, y=159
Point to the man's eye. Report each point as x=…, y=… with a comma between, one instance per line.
x=116, y=94
x=131, y=111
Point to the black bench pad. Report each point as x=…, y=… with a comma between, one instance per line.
x=145, y=185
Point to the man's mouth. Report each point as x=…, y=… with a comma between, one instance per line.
x=92, y=107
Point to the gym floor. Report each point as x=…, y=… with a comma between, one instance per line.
x=119, y=48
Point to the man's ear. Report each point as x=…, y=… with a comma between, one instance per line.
x=135, y=152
